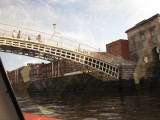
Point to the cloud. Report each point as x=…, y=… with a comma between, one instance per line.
x=4, y=3
x=27, y=14
x=88, y=23
x=96, y=20
x=62, y=2
x=145, y=9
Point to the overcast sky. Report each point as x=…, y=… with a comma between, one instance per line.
x=93, y=22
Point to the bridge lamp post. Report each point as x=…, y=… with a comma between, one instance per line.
x=54, y=26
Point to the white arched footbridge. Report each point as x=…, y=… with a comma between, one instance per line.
x=47, y=46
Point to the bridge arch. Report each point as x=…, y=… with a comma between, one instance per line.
x=47, y=52
x=49, y=47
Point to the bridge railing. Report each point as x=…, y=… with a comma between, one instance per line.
x=56, y=40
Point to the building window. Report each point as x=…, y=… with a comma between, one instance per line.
x=142, y=38
x=138, y=44
x=110, y=49
x=116, y=49
x=153, y=35
x=133, y=43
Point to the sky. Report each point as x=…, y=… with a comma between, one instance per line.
x=92, y=22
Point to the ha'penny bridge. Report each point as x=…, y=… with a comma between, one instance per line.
x=48, y=47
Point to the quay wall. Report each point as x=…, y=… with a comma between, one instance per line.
x=149, y=77
x=126, y=79
x=79, y=83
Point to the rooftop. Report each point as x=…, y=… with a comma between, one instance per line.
x=143, y=22
x=117, y=41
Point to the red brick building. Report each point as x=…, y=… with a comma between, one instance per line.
x=37, y=71
x=118, y=48
x=34, y=73
x=14, y=75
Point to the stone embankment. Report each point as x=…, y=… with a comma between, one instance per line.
x=149, y=77
x=79, y=83
x=126, y=79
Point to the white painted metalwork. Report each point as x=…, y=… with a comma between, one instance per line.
x=37, y=44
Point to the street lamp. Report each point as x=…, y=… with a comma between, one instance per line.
x=54, y=26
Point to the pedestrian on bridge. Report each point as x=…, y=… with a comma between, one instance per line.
x=14, y=34
x=79, y=49
x=29, y=38
x=39, y=38
x=19, y=33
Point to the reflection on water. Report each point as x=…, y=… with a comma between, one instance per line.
x=112, y=106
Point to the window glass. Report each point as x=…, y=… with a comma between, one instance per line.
x=153, y=35
x=142, y=38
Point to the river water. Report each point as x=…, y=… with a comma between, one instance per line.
x=131, y=105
